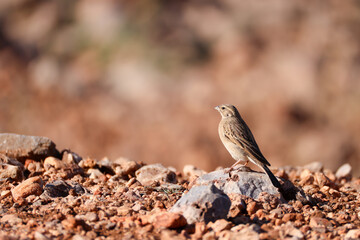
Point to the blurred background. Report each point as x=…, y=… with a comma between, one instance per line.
x=140, y=79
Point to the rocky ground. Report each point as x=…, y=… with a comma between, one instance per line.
x=51, y=194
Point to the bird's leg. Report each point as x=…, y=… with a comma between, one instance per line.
x=237, y=162
x=232, y=167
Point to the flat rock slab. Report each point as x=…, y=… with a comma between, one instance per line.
x=242, y=181
x=22, y=146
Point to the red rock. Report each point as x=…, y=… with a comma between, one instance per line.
x=289, y=217
x=169, y=220
x=31, y=186
x=322, y=180
x=252, y=207
x=72, y=223
x=220, y=225
x=307, y=180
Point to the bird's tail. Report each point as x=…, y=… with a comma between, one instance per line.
x=273, y=179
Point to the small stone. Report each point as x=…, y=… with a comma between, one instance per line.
x=125, y=166
x=87, y=163
x=169, y=220
x=39, y=236
x=33, y=166
x=60, y=188
x=248, y=233
x=352, y=234
x=155, y=173
x=321, y=179
x=276, y=213
x=307, y=180
x=305, y=229
x=8, y=171
x=137, y=207
x=96, y=174
x=11, y=219
x=124, y=210
x=344, y=172
x=69, y=157
x=72, y=223
x=305, y=173
x=11, y=168
x=316, y=222
x=5, y=194
x=31, y=186
x=289, y=230
x=53, y=162
x=252, y=207
x=238, y=205
x=289, y=217
x=220, y=225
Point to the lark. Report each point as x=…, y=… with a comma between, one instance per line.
x=240, y=142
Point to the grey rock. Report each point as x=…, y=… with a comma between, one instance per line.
x=155, y=173
x=60, y=188
x=203, y=203
x=22, y=147
x=242, y=181
x=246, y=182
x=344, y=171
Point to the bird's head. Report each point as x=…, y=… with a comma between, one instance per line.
x=227, y=110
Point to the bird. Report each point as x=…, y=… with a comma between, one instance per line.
x=240, y=142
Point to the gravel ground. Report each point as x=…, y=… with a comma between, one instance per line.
x=76, y=198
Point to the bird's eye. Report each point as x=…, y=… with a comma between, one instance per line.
x=222, y=108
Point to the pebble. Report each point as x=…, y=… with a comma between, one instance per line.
x=11, y=219
x=154, y=174
x=220, y=225
x=169, y=220
x=344, y=171
x=31, y=186
x=8, y=171
x=352, y=234
x=53, y=162
x=252, y=207
x=124, y=166
x=319, y=222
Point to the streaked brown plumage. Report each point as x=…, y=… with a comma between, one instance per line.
x=240, y=142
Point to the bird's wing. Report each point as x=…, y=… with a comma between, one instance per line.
x=240, y=134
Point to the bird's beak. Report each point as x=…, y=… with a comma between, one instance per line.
x=217, y=108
